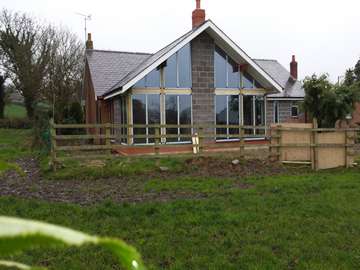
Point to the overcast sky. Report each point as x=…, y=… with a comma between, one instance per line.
x=323, y=34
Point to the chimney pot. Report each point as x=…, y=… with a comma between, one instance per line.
x=294, y=68
x=198, y=15
x=89, y=43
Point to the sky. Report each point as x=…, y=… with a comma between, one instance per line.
x=323, y=34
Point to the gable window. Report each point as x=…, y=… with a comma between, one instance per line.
x=227, y=73
x=294, y=110
x=152, y=80
x=177, y=70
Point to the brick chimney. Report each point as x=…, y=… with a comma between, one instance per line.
x=89, y=43
x=198, y=15
x=294, y=68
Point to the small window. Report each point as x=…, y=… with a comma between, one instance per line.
x=294, y=110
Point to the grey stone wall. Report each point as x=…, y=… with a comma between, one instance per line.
x=284, y=112
x=203, y=91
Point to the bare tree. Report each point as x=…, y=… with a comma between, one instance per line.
x=45, y=63
x=2, y=96
x=64, y=77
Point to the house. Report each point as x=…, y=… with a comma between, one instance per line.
x=203, y=77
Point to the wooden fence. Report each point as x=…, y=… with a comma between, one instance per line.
x=288, y=143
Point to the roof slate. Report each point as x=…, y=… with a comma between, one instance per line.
x=107, y=67
x=292, y=87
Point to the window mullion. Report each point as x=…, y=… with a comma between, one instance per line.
x=254, y=114
x=147, y=118
x=227, y=116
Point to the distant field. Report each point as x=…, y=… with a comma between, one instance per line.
x=15, y=111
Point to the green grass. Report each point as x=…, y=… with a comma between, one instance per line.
x=307, y=221
x=14, y=144
x=15, y=111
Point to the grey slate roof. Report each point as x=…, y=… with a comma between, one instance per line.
x=107, y=67
x=292, y=88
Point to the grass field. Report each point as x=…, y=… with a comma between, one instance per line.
x=14, y=144
x=15, y=111
x=303, y=221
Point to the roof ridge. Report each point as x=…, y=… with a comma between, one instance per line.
x=262, y=59
x=124, y=52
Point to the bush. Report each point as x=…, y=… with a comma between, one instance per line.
x=16, y=123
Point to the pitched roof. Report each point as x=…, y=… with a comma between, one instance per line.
x=150, y=60
x=292, y=87
x=106, y=67
x=155, y=60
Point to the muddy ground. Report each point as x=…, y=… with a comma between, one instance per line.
x=32, y=185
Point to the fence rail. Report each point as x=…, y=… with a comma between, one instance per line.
x=200, y=139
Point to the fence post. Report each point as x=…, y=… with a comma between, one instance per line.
x=53, y=144
x=201, y=139
x=108, y=134
x=157, y=141
x=242, y=141
x=314, y=141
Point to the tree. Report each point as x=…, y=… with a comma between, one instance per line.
x=349, y=77
x=2, y=96
x=26, y=49
x=329, y=103
x=65, y=72
x=357, y=71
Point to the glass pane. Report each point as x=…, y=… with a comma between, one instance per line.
x=258, y=85
x=247, y=81
x=153, y=113
x=171, y=114
x=221, y=115
x=234, y=113
x=248, y=113
x=220, y=68
x=139, y=116
x=170, y=72
x=260, y=113
x=185, y=115
x=184, y=63
x=153, y=79
x=123, y=116
x=233, y=74
x=141, y=83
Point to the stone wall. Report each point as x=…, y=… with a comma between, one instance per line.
x=203, y=91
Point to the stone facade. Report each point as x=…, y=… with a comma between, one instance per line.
x=203, y=90
x=284, y=112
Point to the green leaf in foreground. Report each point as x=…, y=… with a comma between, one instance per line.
x=18, y=265
x=18, y=234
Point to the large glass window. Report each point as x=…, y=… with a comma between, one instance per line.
x=248, y=81
x=178, y=112
x=227, y=73
x=233, y=74
x=170, y=72
x=227, y=113
x=177, y=71
x=248, y=113
x=146, y=111
x=150, y=80
x=254, y=113
x=184, y=66
x=220, y=68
